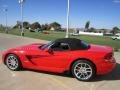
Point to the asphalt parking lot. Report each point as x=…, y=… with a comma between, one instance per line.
x=36, y=80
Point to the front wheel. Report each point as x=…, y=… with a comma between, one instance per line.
x=83, y=70
x=13, y=62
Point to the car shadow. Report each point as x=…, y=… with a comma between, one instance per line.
x=114, y=75
x=65, y=74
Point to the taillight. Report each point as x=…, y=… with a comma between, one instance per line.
x=108, y=56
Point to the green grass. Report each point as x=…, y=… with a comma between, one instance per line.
x=54, y=35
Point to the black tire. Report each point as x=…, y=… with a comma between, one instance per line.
x=82, y=70
x=16, y=61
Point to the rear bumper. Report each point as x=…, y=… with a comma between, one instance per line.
x=106, y=67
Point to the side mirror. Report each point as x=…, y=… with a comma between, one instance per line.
x=49, y=50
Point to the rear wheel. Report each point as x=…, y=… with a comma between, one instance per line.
x=83, y=70
x=13, y=62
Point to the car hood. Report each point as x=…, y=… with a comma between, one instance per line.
x=33, y=46
x=100, y=48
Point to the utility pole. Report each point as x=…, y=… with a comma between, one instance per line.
x=6, y=10
x=68, y=12
x=21, y=5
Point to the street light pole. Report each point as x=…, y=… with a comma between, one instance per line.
x=68, y=12
x=21, y=5
x=5, y=10
x=6, y=22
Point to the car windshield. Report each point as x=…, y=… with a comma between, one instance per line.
x=46, y=45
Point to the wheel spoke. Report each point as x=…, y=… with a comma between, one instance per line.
x=83, y=74
x=12, y=62
x=88, y=71
x=86, y=74
x=83, y=71
x=78, y=73
x=78, y=67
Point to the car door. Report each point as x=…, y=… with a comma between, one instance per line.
x=55, y=61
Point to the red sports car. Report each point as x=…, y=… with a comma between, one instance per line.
x=83, y=60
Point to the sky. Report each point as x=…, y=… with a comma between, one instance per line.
x=100, y=13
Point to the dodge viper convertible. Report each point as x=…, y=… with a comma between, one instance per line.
x=83, y=60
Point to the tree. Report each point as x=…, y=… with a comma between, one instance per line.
x=103, y=31
x=26, y=25
x=45, y=27
x=2, y=27
x=55, y=25
x=18, y=25
x=115, y=30
x=35, y=25
x=92, y=30
x=87, y=25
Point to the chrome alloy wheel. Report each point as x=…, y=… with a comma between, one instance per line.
x=83, y=71
x=12, y=62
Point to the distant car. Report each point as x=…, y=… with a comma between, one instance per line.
x=38, y=30
x=45, y=32
x=116, y=37
x=31, y=30
x=74, y=34
x=83, y=60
